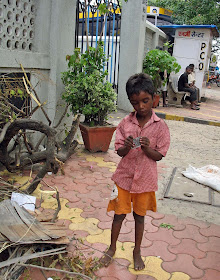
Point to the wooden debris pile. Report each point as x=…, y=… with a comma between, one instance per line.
x=23, y=237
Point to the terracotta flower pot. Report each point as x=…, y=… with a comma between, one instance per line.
x=97, y=138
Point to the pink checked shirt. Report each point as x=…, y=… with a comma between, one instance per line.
x=136, y=172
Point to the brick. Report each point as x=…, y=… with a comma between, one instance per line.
x=155, y=215
x=117, y=269
x=211, y=261
x=163, y=234
x=145, y=277
x=212, y=245
x=169, y=219
x=191, y=221
x=191, y=232
x=183, y=263
x=213, y=230
x=93, y=195
x=98, y=214
x=158, y=248
x=187, y=246
x=210, y=274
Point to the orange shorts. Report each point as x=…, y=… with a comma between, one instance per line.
x=141, y=202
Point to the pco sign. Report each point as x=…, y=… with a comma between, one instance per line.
x=202, y=56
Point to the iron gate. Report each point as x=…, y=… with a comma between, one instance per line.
x=96, y=23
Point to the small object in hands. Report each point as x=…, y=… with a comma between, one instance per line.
x=188, y=194
x=114, y=193
x=136, y=142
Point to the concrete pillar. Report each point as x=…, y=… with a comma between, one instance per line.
x=62, y=40
x=155, y=40
x=132, y=38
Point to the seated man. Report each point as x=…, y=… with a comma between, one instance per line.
x=183, y=85
x=192, y=80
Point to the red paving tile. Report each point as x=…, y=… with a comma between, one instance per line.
x=98, y=214
x=187, y=246
x=210, y=274
x=105, y=225
x=213, y=245
x=191, y=221
x=171, y=220
x=94, y=195
x=155, y=215
x=80, y=188
x=213, y=230
x=163, y=234
x=71, y=196
x=158, y=248
x=183, y=263
x=117, y=269
x=145, y=277
x=101, y=204
x=211, y=260
x=191, y=232
x=85, y=205
x=87, y=181
x=148, y=226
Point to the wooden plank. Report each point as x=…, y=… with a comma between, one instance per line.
x=19, y=226
x=12, y=226
x=39, y=231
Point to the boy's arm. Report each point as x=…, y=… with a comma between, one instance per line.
x=149, y=152
x=128, y=144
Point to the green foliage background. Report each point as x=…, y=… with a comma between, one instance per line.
x=191, y=11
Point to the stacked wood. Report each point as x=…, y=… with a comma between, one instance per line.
x=23, y=237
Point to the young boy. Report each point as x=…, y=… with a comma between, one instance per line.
x=136, y=174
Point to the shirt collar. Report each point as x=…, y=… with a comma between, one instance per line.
x=154, y=118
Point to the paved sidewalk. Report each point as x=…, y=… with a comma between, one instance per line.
x=172, y=248
x=209, y=112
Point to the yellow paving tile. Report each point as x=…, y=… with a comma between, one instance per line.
x=125, y=251
x=152, y=268
x=72, y=214
x=89, y=225
x=51, y=202
x=103, y=237
x=18, y=179
x=179, y=276
x=101, y=163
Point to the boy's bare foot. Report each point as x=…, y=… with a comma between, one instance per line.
x=138, y=262
x=107, y=258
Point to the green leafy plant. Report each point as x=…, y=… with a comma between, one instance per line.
x=86, y=88
x=157, y=61
x=168, y=226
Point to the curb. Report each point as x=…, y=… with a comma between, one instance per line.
x=186, y=119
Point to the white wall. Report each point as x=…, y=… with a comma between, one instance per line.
x=192, y=45
x=38, y=34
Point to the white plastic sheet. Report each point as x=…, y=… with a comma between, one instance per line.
x=208, y=175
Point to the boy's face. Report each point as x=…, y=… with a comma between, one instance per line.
x=142, y=103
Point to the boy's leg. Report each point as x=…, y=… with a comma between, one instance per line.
x=139, y=230
x=116, y=227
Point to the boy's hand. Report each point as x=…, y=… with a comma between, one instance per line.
x=145, y=142
x=129, y=142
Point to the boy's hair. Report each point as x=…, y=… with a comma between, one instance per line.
x=191, y=65
x=139, y=82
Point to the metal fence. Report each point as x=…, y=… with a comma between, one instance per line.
x=107, y=26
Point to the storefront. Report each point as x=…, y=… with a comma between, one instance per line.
x=192, y=45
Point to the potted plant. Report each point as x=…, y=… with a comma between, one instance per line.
x=155, y=62
x=89, y=93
